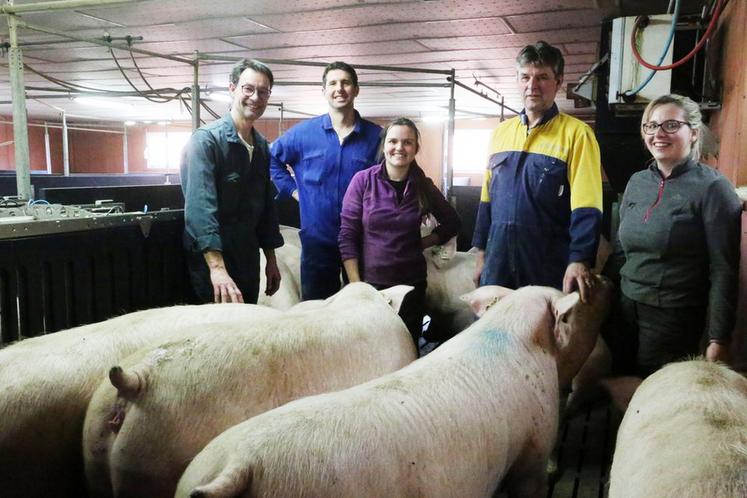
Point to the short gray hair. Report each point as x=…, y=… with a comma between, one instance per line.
x=542, y=54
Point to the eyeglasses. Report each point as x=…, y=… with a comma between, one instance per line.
x=262, y=93
x=669, y=126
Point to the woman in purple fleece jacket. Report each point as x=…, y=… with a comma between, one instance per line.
x=380, y=241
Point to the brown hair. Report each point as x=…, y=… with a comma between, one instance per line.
x=419, y=179
x=252, y=64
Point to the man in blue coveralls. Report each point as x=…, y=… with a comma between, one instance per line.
x=541, y=204
x=324, y=153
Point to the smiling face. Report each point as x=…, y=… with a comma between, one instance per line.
x=339, y=89
x=538, y=86
x=669, y=149
x=400, y=147
x=251, y=107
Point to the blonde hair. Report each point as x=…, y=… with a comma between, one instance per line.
x=692, y=115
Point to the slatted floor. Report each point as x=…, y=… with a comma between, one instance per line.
x=584, y=451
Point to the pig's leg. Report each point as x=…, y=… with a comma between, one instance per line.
x=528, y=475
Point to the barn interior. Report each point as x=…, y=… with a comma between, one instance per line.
x=97, y=98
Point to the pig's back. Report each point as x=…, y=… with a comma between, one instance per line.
x=684, y=435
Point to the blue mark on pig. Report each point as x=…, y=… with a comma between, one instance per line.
x=495, y=341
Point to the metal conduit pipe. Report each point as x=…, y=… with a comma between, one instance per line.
x=18, y=96
x=58, y=5
x=65, y=152
x=196, y=91
x=448, y=165
x=125, y=151
x=47, y=151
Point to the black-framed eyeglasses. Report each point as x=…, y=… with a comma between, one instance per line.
x=669, y=126
x=262, y=93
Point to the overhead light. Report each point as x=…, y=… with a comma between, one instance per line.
x=130, y=123
x=103, y=103
x=163, y=123
x=219, y=97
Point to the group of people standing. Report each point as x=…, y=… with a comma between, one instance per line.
x=363, y=197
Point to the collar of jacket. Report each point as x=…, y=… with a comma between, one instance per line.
x=327, y=122
x=681, y=168
x=415, y=170
x=232, y=135
x=547, y=116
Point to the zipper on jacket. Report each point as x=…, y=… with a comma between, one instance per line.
x=658, y=200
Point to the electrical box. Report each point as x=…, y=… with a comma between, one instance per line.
x=626, y=73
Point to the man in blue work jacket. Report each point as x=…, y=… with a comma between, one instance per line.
x=541, y=204
x=324, y=153
x=229, y=206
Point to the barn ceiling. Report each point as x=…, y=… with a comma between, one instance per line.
x=477, y=38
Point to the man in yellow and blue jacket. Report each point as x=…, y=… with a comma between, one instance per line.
x=540, y=210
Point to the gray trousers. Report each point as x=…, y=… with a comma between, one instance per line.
x=644, y=338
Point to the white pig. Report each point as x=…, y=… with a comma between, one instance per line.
x=479, y=410
x=449, y=277
x=165, y=404
x=46, y=383
x=684, y=435
x=288, y=258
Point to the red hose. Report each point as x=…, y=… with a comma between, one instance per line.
x=686, y=58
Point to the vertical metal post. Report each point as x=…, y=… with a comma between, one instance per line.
x=20, y=124
x=47, y=153
x=125, y=152
x=448, y=167
x=196, y=92
x=65, y=150
x=280, y=121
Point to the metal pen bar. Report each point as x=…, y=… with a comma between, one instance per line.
x=18, y=98
x=196, y=91
x=103, y=43
x=59, y=126
x=67, y=93
x=504, y=106
x=59, y=5
x=448, y=180
x=324, y=64
x=60, y=42
x=403, y=84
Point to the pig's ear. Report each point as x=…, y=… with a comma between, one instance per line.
x=482, y=298
x=449, y=250
x=396, y=295
x=562, y=308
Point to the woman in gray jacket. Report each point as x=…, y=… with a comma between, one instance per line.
x=677, y=248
